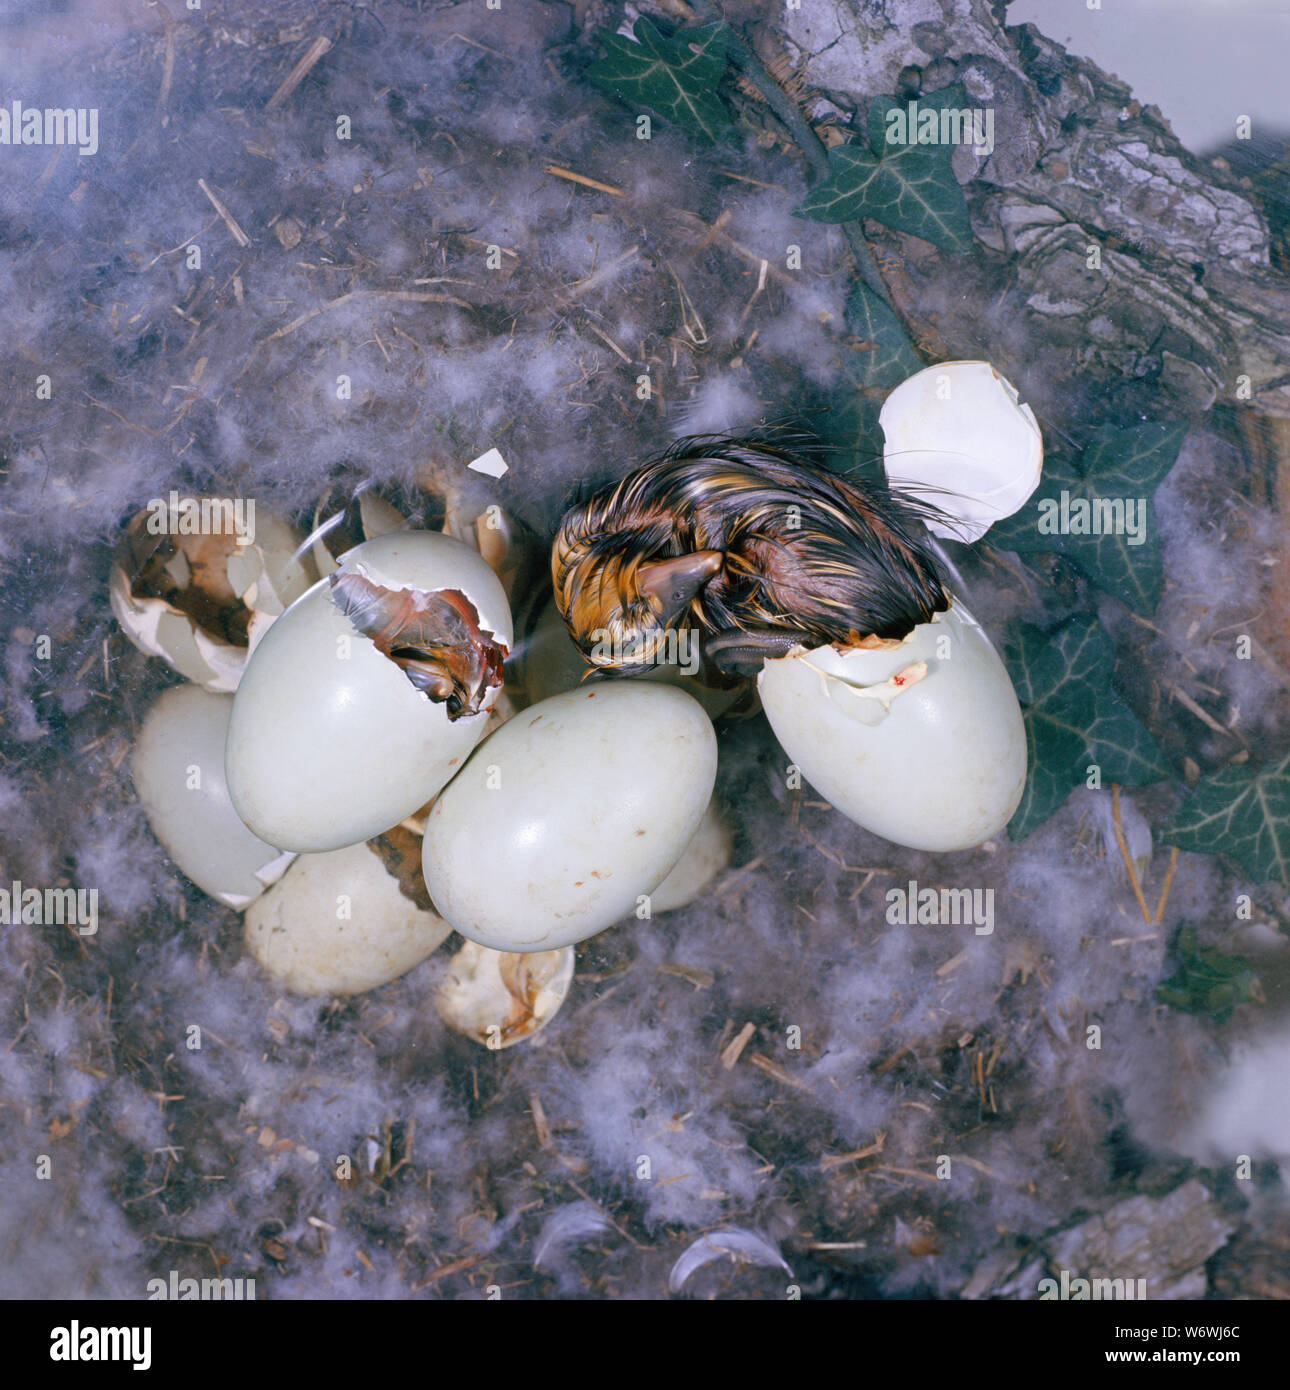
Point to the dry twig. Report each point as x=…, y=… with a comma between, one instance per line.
x=1124, y=853
x=298, y=74
x=229, y=220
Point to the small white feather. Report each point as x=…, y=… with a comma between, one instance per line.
x=573, y=1224
x=732, y=1242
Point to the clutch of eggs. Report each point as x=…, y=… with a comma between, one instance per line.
x=922, y=742
x=331, y=740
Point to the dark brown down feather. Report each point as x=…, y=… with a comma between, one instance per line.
x=798, y=554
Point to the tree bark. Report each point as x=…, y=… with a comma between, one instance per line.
x=1185, y=309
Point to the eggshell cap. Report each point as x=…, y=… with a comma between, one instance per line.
x=977, y=454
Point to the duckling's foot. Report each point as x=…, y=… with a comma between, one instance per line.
x=741, y=653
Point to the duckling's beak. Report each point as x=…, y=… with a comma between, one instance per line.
x=671, y=584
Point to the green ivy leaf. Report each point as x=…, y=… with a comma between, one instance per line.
x=876, y=125
x=676, y=76
x=1241, y=811
x=891, y=357
x=1208, y=981
x=1117, y=468
x=1073, y=718
x=911, y=188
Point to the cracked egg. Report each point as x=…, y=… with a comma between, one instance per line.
x=920, y=741
x=202, y=602
x=369, y=693
x=366, y=516
x=499, y=998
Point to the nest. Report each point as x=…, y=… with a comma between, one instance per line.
x=419, y=235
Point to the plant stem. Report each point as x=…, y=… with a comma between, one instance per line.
x=810, y=144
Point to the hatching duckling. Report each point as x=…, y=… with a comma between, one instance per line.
x=758, y=548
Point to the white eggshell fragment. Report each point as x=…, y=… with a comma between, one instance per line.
x=265, y=576
x=499, y=998
x=178, y=766
x=570, y=812
x=375, y=517
x=338, y=924
x=705, y=856
x=330, y=742
x=488, y=530
x=957, y=436
x=931, y=758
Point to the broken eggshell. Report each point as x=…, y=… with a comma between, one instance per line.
x=510, y=549
x=921, y=742
x=202, y=602
x=957, y=436
x=520, y=560
x=338, y=923
x=488, y=530
x=484, y=528
x=333, y=740
x=570, y=813
x=178, y=767
x=499, y=998
x=365, y=518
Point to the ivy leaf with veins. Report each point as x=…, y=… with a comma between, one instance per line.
x=1240, y=811
x=884, y=354
x=1208, y=981
x=908, y=187
x=676, y=76
x=1074, y=718
x=1114, y=483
